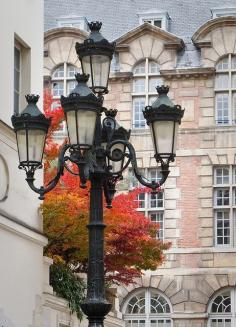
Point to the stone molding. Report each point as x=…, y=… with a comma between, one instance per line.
x=156, y=31
x=187, y=72
x=22, y=229
x=64, y=31
x=212, y=25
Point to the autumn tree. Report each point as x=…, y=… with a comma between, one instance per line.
x=130, y=238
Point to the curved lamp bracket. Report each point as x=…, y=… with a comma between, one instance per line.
x=60, y=168
x=131, y=155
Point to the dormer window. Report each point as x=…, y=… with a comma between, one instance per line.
x=156, y=18
x=79, y=22
x=219, y=12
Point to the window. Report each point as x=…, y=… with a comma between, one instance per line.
x=17, y=77
x=147, y=308
x=225, y=90
x=21, y=73
x=222, y=309
x=79, y=22
x=157, y=18
x=63, y=82
x=225, y=205
x=219, y=12
x=146, y=78
x=152, y=205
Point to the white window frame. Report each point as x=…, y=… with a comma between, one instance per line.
x=148, y=316
x=147, y=210
x=229, y=315
x=230, y=208
x=162, y=16
x=76, y=21
x=145, y=95
x=17, y=70
x=219, y=12
x=64, y=79
x=229, y=91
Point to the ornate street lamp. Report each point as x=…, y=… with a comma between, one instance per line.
x=163, y=118
x=95, y=55
x=100, y=150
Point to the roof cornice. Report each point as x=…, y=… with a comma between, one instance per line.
x=211, y=25
x=170, y=40
x=64, y=31
x=187, y=72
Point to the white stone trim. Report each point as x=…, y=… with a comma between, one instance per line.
x=24, y=232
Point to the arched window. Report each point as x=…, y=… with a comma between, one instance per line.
x=225, y=90
x=147, y=308
x=63, y=82
x=222, y=310
x=146, y=78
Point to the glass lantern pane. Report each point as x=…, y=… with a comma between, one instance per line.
x=98, y=69
x=81, y=127
x=36, y=144
x=36, y=140
x=117, y=165
x=21, y=140
x=164, y=137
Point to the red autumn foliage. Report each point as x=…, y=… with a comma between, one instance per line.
x=130, y=238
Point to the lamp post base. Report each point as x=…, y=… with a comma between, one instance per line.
x=96, y=312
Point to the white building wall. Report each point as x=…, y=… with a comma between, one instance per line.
x=21, y=240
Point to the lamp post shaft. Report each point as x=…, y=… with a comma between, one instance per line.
x=96, y=306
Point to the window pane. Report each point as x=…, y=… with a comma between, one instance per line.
x=71, y=71
x=141, y=200
x=58, y=88
x=70, y=86
x=223, y=64
x=153, y=67
x=222, y=109
x=222, y=228
x=155, y=175
x=222, y=176
x=222, y=197
x=158, y=217
x=139, y=85
x=140, y=68
x=222, y=81
x=138, y=106
x=157, y=23
x=233, y=62
x=153, y=82
x=234, y=107
x=59, y=72
x=17, y=59
x=234, y=81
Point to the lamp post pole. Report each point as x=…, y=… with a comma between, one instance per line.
x=100, y=151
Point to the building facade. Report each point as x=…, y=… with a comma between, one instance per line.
x=191, y=48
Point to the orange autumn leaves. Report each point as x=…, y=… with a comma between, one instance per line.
x=130, y=243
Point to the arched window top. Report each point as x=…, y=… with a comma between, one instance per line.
x=225, y=90
x=63, y=70
x=221, y=303
x=147, y=301
x=146, y=67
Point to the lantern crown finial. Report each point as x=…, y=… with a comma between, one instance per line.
x=163, y=89
x=95, y=26
x=82, y=78
x=111, y=112
x=32, y=98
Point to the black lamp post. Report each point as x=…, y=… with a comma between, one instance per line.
x=101, y=151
